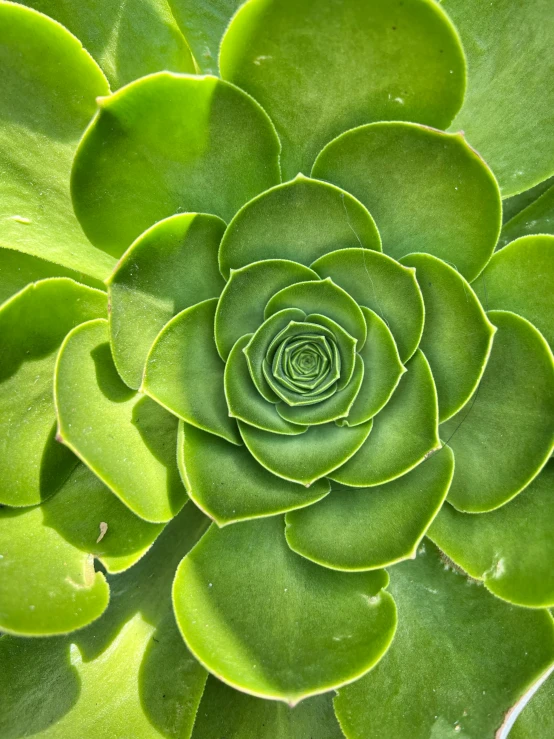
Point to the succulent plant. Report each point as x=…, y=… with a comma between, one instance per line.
x=276, y=371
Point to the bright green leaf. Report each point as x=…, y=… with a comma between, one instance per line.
x=125, y=438
x=273, y=624
x=322, y=68
x=416, y=181
x=537, y=716
x=166, y=144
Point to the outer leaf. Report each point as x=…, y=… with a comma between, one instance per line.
x=403, y=62
x=508, y=120
x=128, y=38
x=510, y=549
x=365, y=529
x=378, y=282
x=300, y=220
x=47, y=586
x=305, y=458
x=519, y=278
x=169, y=268
x=33, y=325
x=127, y=675
x=537, y=718
x=227, y=483
x=47, y=97
x=502, y=438
x=126, y=439
x=408, y=174
x=273, y=624
x=404, y=432
x=537, y=218
x=184, y=372
x=241, y=306
x=468, y=655
x=511, y=207
x=457, y=337
x=90, y=517
x=166, y=144
x=227, y=712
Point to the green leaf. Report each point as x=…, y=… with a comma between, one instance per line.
x=364, y=529
x=47, y=586
x=507, y=119
x=305, y=458
x=243, y=399
x=17, y=270
x=519, y=278
x=227, y=712
x=457, y=337
x=203, y=24
x=404, y=432
x=380, y=283
x=125, y=438
x=511, y=207
x=128, y=38
x=165, y=144
x=241, y=306
x=271, y=623
x=322, y=297
x=415, y=181
x=321, y=68
x=48, y=88
x=91, y=518
x=537, y=716
x=169, y=268
x=382, y=370
x=300, y=220
x=537, y=218
x=33, y=324
x=227, y=483
x=510, y=549
x=459, y=661
x=185, y=374
x=504, y=435
x=128, y=675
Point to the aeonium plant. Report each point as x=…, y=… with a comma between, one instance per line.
x=276, y=378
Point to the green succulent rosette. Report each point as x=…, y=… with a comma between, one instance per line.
x=276, y=379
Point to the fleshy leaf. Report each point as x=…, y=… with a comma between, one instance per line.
x=519, y=278
x=457, y=336
x=128, y=675
x=468, y=655
x=506, y=118
x=184, y=372
x=380, y=283
x=300, y=220
x=241, y=306
x=48, y=88
x=166, y=144
x=369, y=528
x=536, y=717
x=322, y=68
x=309, y=456
x=169, y=268
x=227, y=712
x=243, y=399
x=504, y=435
x=415, y=181
x=227, y=483
x=125, y=438
x=322, y=297
x=91, y=518
x=511, y=207
x=404, y=432
x=128, y=38
x=272, y=623
x=537, y=218
x=510, y=549
x=47, y=586
x=33, y=324
x=382, y=370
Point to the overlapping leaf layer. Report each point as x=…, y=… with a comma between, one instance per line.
x=324, y=339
